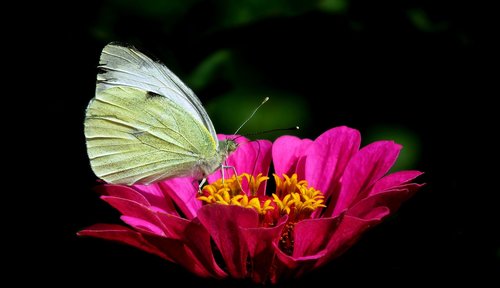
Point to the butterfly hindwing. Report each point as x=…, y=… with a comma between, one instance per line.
x=135, y=136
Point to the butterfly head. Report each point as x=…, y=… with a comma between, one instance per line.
x=227, y=147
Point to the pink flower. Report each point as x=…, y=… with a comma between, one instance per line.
x=328, y=192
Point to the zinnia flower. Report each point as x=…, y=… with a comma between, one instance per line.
x=328, y=192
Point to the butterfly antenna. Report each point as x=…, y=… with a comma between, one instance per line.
x=269, y=131
x=251, y=115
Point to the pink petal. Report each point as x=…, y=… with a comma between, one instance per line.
x=252, y=157
x=183, y=191
x=260, y=247
x=224, y=223
x=376, y=213
x=324, y=162
x=293, y=267
x=142, y=225
x=365, y=168
x=124, y=192
x=393, y=180
x=177, y=250
x=347, y=233
x=123, y=235
x=175, y=225
x=391, y=199
x=135, y=210
x=313, y=235
x=195, y=237
x=286, y=152
x=155, y=196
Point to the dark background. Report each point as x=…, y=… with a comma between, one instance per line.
x=413, y=71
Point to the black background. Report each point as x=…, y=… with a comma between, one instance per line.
x=435, y=83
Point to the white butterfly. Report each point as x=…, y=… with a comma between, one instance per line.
x=145, y=125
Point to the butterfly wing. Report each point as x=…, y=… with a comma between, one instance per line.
x=135, y=136
x=126, y=66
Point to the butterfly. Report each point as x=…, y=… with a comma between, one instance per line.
x=145, y=125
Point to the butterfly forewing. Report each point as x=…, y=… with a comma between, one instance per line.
x=126, y=66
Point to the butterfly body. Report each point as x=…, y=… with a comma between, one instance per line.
x=144, y=125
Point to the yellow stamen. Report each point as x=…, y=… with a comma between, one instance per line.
x=230, y=193
x=254, y=183
x=292, y=197
x=299, y=200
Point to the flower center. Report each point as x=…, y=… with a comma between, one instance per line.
x=292, y=197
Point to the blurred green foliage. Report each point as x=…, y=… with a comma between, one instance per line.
x=333, y=6
x=421, y=20
x=319, y=61
x=225, y=14
x=209, y=68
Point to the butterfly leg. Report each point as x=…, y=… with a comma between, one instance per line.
x=203, y=181
x=222, y=173
x=230, y=167
x=223, y=167
x=234, y=171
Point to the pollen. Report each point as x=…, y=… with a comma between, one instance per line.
x=296, y=198
x=230, y=192
x=292, y=197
